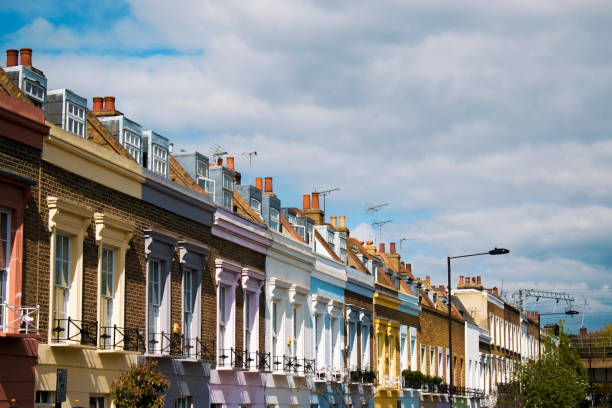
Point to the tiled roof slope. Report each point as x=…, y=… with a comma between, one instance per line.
x=354, y=261
x=9, y=88
x=244, y=209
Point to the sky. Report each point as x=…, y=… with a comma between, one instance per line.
x=480, y=123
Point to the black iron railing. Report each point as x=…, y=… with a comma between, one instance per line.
x=224, y=358
x=309, y=366
x=263, y=361
x=238, y=358
x=75, y=331
x=121, y=338
x=291, y=364
x=277, y=363
x=165, y=343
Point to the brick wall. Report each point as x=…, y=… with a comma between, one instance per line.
x=53, y=181
x=433, y=331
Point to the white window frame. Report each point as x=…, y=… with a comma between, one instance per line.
x=201, y=168
x=154, y=305
x=159, y=157
x=256, y=205
x=135, y=150
x=252, y=283
x=227, y=276
x=432, y=361
x=75, y=122
x=423, y=359
x=69, y=219
x=274, y=219
x=34, y=86
x=107, y=290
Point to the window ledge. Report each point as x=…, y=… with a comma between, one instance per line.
x=75, y=346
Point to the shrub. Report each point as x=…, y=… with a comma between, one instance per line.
x=141, y=386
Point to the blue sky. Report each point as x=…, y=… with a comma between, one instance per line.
x=481, y=124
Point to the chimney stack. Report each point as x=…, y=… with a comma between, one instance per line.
x=306, y=202
x=26, y=56
x=97, y=103
x=230, y=163
x=333, y=220
x=259, y=183
x=381, y=247
x=109, y=103
x=11, y=57
x=315, y=211
x=392, y=247
x=342, y=221
x=268, y=181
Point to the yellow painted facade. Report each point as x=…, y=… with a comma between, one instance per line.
x=91, y=372
x=386, y=335
x=79, y=156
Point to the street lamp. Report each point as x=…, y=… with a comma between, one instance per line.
x=494, y=251
x=567, y=312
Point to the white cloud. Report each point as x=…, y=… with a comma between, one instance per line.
x=481, y=123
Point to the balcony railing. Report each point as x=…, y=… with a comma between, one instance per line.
x=330, y=374
x=263, y=361
x=19, y=319
x=308, y=366
x=121, y=338
x=165, y=343
x=199, y=349
x=75, y=331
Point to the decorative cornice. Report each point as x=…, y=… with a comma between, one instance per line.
x=71, y=215
x=113, y=230
x=241, y=231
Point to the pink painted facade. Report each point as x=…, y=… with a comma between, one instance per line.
x=238, y=378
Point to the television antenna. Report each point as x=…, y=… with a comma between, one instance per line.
x=375, y=208
x=378, y=225
x=217, y=151
x=325, y=193
x=543, y=294
x=250, y=155
x=407, y=239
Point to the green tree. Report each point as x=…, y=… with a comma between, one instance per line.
x=140, y=387
x=558, y=380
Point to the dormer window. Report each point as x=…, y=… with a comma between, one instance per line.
x=274, y=219
x=34, y=90
x=75, y=119
x=256, y=205
x=291, y=218
x=202, y=169
x=343, y=248
x=228, y=186
x=330, y=239
x=133, y=143
x=160, y=160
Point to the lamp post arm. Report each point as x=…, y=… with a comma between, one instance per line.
x=465, y=256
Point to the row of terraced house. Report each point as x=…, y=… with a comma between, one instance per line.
x=117, y=248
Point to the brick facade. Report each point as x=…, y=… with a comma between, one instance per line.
x=432, y=331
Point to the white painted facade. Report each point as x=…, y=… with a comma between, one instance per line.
x=289, y=265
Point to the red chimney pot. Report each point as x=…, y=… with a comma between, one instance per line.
x=306, y=202
x=427, y=278
x=26, y=56
x=381, y=247
x=230, y=163
x=109, y=103
x=219, y=161
x=97, y=103
x=11, y=57
x=369, y=242
x=259, y=183
x=332, y=220
x=268, y=184
x=392, y=247
x=461, y=280
x=315, y=201
x=479, y=280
